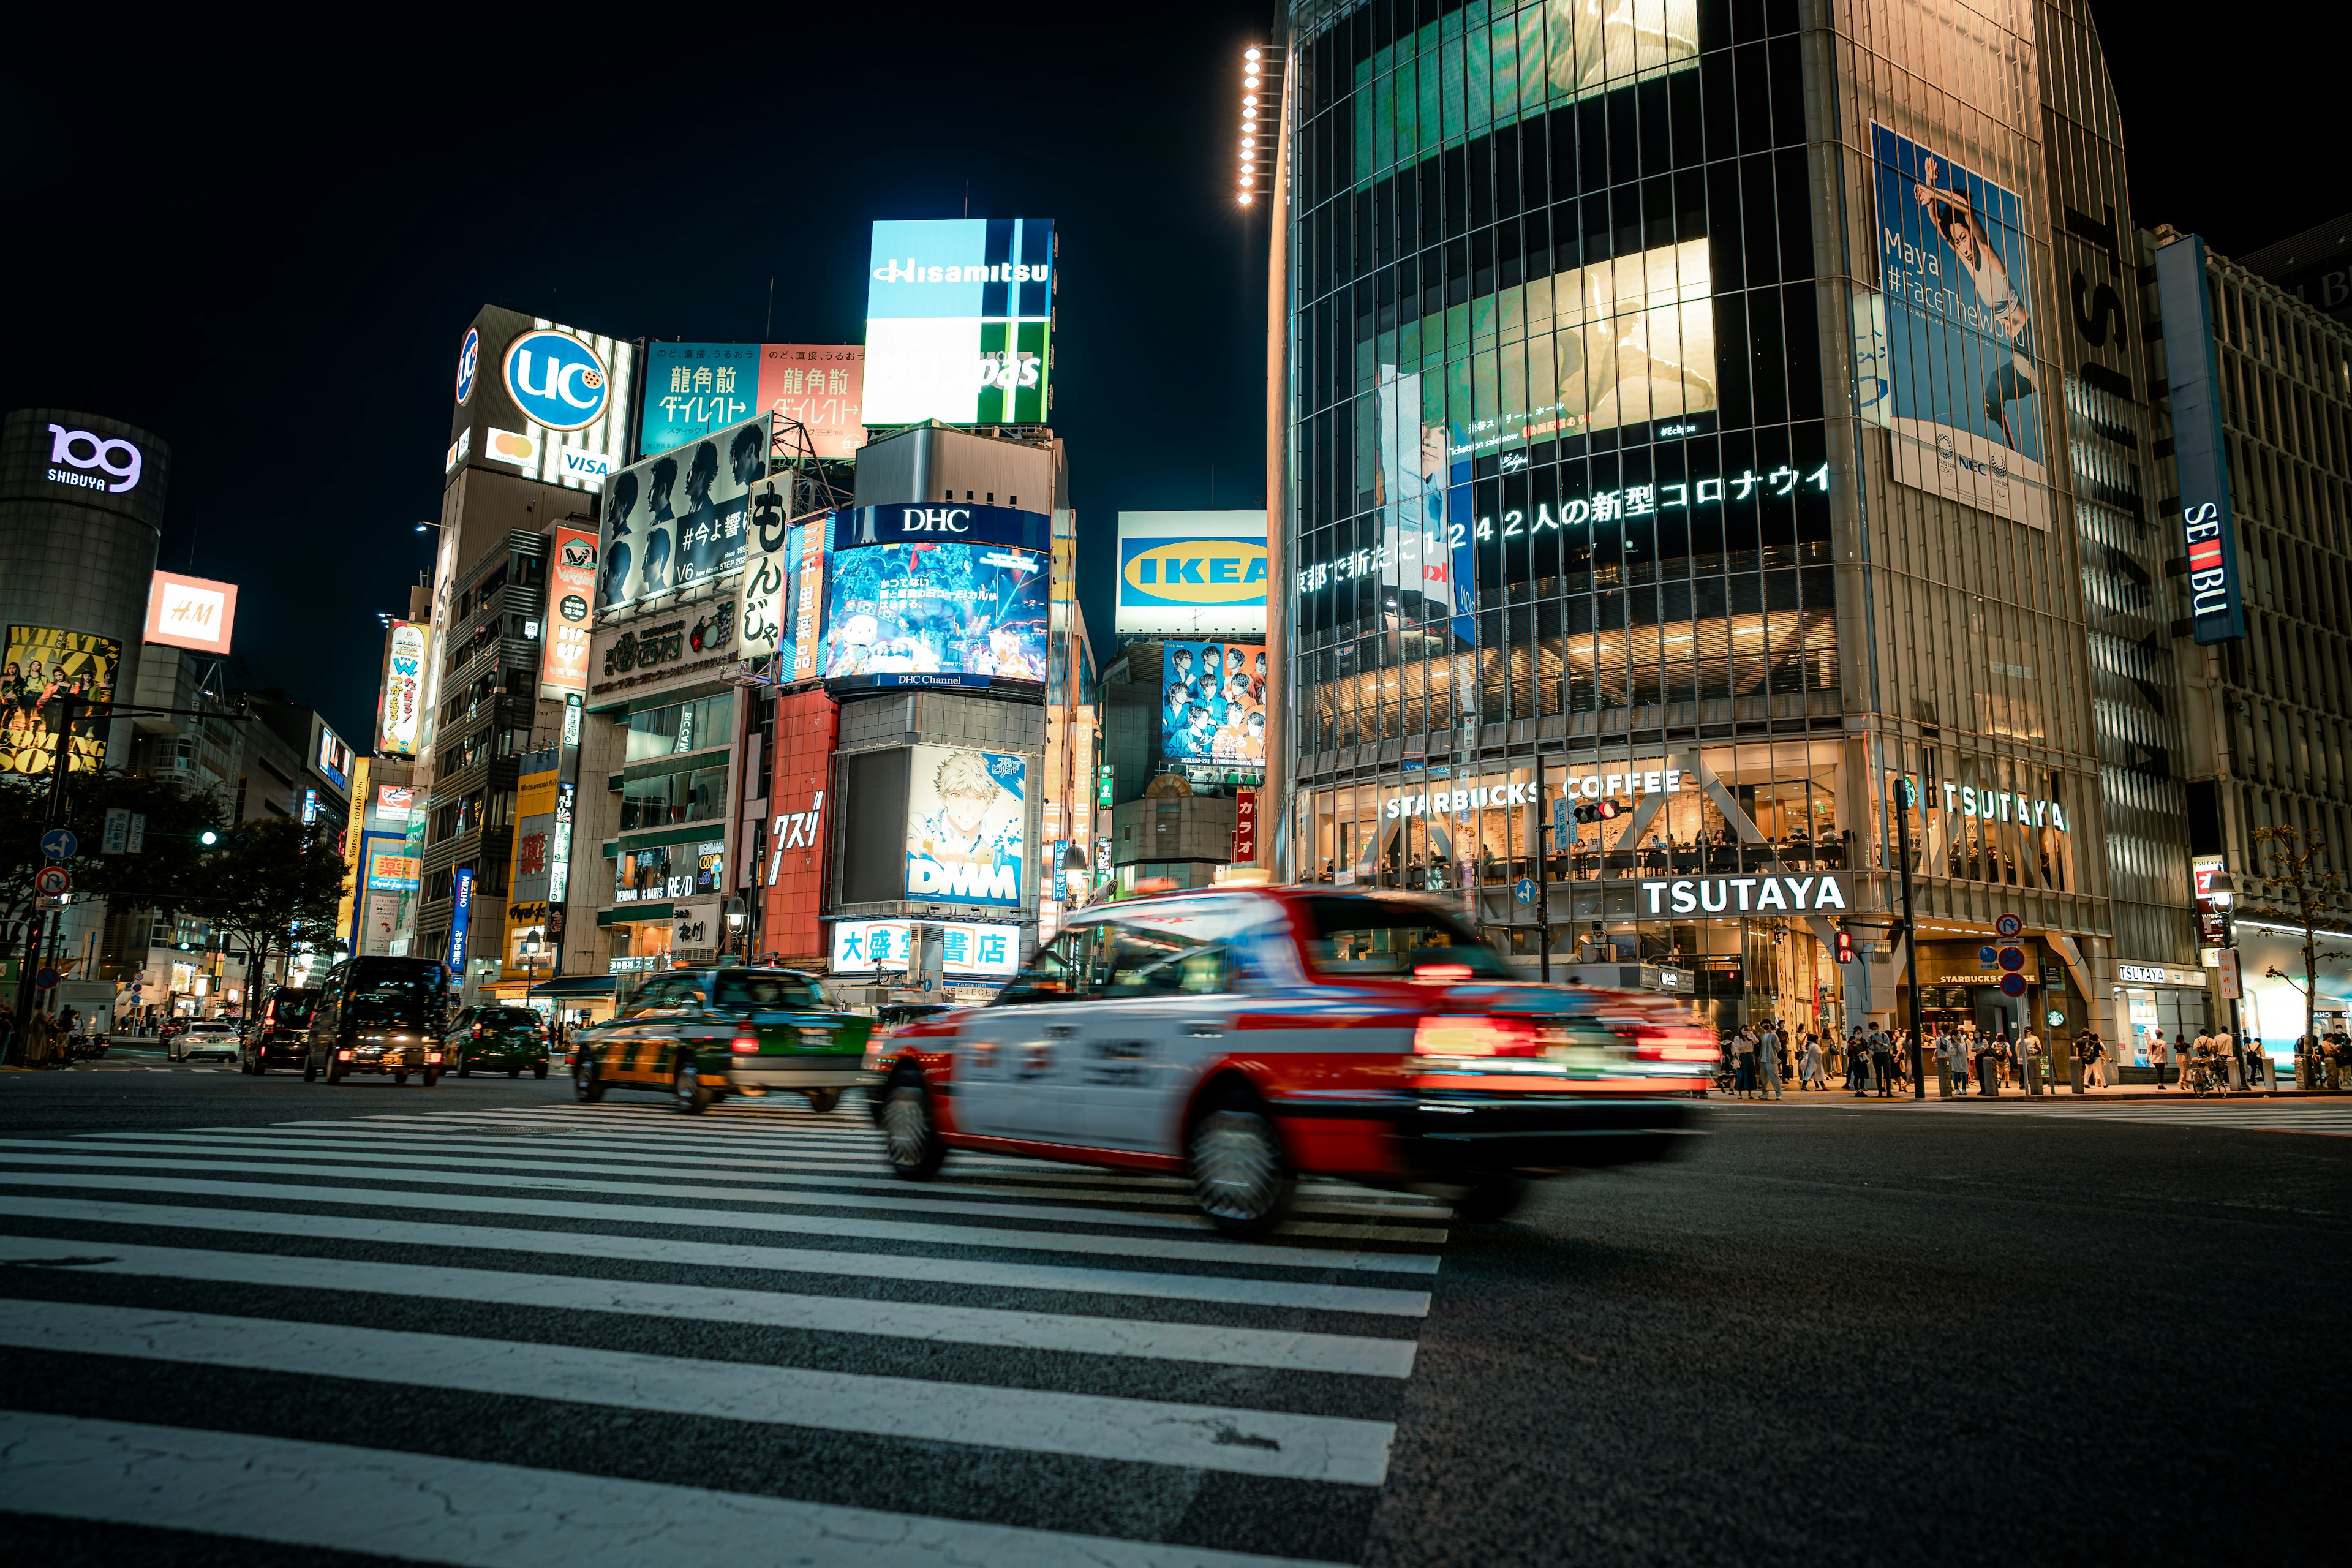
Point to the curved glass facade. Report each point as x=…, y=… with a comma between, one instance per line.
x=1577, y=521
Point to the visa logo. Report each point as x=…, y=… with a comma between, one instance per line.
x=579, y=463
x=1196, y=572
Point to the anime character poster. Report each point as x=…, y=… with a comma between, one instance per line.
x=45, y=663
x=682, y=519
x=945, y=614
x=1212, y=711
x=1965, y=404
x=966, y=823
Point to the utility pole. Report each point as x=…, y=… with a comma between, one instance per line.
x=1904, y=796
x=67, y=704
x=1543, y=877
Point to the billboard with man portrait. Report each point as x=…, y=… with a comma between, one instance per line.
x=682, y=519
x=1212, y=704
x=967, y=825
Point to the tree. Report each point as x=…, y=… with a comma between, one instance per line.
x=2294, y=860
x=277, y=883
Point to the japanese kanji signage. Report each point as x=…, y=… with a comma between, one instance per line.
x=694, y=389
x=965, y=949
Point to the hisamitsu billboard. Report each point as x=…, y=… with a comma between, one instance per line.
x=1192, y=573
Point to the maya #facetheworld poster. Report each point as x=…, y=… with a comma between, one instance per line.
x=1945, y=360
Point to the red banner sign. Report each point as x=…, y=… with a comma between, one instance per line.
x=1245, y=827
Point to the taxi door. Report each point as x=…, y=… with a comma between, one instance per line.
x=1017, y=1061
x=621, y=1043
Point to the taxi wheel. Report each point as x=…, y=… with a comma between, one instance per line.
x=824, y=1099
x=585, y=1087
x=244, y=1065
x=688, y=1095
x=334, y=1070
x=431, y=1077
x=909, y=1132
x=465, y=1067
x=1491, y=1198
x=309, y=1068
x=514, y=1072
x=1239, y=1177
x=400, y=1078
x=539, y=1072
x=260, y=1065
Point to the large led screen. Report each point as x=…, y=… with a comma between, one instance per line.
x=1956, y=339
x=967, y=825
x=936, y=615
x=1212, y=704
x=958, y=317
x=682, y=519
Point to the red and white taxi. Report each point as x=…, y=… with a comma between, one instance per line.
x=1245, y=1037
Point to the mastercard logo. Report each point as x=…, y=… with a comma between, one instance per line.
x=513, y=448
x=1196, y=572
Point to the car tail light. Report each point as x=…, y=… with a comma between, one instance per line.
x=343, y=1056
x=1455, y=1035
x=1442, y=974
x=478, y=1031
x=432, y=1056
x=744, y=1044
x=1673, y=1043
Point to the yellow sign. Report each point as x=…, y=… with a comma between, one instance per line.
x=44, y=664
x=1197, y=572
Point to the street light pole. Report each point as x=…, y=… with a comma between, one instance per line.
x=1903, y=794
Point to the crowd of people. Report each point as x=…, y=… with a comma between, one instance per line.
x=1758, y=1061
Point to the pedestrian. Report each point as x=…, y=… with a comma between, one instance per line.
x=1743, y=1057
x=2158, y=1055
x=1987, y=1058
x=2029, y=1060
x=2094, y=1052
x=1953, y=1053
x=2226, y=1063
x=1808, y=1063
x=1768, y=1053
x=1881, y=1061
x=1857, y=1063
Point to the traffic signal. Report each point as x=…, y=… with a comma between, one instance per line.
x=1844, y=945
x=1603, y=812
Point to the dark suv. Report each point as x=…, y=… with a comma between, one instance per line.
x=380, y=1015
x=495, y=1039
x=280, y=1035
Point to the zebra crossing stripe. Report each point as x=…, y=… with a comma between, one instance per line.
x=474, y=1514
x=1200, y=1436
x=1282, y=1349
x=1222, y=1290
x=1259, y=1253
x=529, y=1176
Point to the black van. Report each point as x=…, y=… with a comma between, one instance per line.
x=380, y=1015
x=278, y=1035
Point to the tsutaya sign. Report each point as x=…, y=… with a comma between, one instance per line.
x=1997, y=805
x=1742, y=895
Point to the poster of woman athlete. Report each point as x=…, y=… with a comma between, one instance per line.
x=1213, y=711
x=1966, y=409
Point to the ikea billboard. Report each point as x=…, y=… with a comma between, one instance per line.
x=1192, y=573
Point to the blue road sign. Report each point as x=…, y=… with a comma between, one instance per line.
x=1988, y=954
x=58, y=844
x=2012, y=985
x=2012, y=959
x=45, y=979
x=1524, y=889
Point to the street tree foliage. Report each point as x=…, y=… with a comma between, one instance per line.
x=277, y=884
x=2297, y=871
x=172, y=874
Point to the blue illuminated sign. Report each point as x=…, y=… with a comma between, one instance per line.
x=461, y=918
x=557, y=380
x=469, y=359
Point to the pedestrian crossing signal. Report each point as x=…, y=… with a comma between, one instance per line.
x=1604, y=812
x=1845, y=947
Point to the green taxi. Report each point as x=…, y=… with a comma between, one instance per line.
x=700, y=1035
x=494, y=1039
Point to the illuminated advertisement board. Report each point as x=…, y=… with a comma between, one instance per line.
x=1192, y=573
x=959, y=321
x=682, y=519
x=44, y=664
x=693, y=390
x=967, y=824
x=936, y=615
x=570, y=586
x=334, y=757
x=461, y=918
x=1963, y=411
x=916, y=522
x=400, y=714
x=536, y=397
x=189, y=613
x=965, y=949
x=1212, y=704
x=763, y=600
x=808, y=589
x=2208, y=522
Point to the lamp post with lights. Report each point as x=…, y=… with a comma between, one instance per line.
x=1260, y=106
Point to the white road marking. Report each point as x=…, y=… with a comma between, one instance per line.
x=1026, y=1275
x=475, y=1514
x=1262, y=1254
x=1202, y=1437
x=1276, y=1349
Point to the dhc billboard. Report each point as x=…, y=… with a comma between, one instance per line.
x=1192, y=573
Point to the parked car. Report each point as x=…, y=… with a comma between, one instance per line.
x=1244, y=1038
x=700, y=1035
x=379, y=1016
x=280, y=1035
x=201, y=1037
x=496, y=1039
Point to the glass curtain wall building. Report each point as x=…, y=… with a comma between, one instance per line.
x=1673, y=464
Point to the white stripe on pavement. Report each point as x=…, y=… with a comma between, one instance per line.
x=1278, y=1350
x=527, y=1180
x=1209, y=1287
x=1262, y=1254
x=475, y=1514
x=1202, y=1437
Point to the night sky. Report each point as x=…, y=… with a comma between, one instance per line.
x=267, y=254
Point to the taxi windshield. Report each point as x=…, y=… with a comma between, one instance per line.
x=764, y=991
x=1388, y=936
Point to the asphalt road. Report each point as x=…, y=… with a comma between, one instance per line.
x=254, y=1322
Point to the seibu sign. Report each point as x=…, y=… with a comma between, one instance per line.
x=1742, y=895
